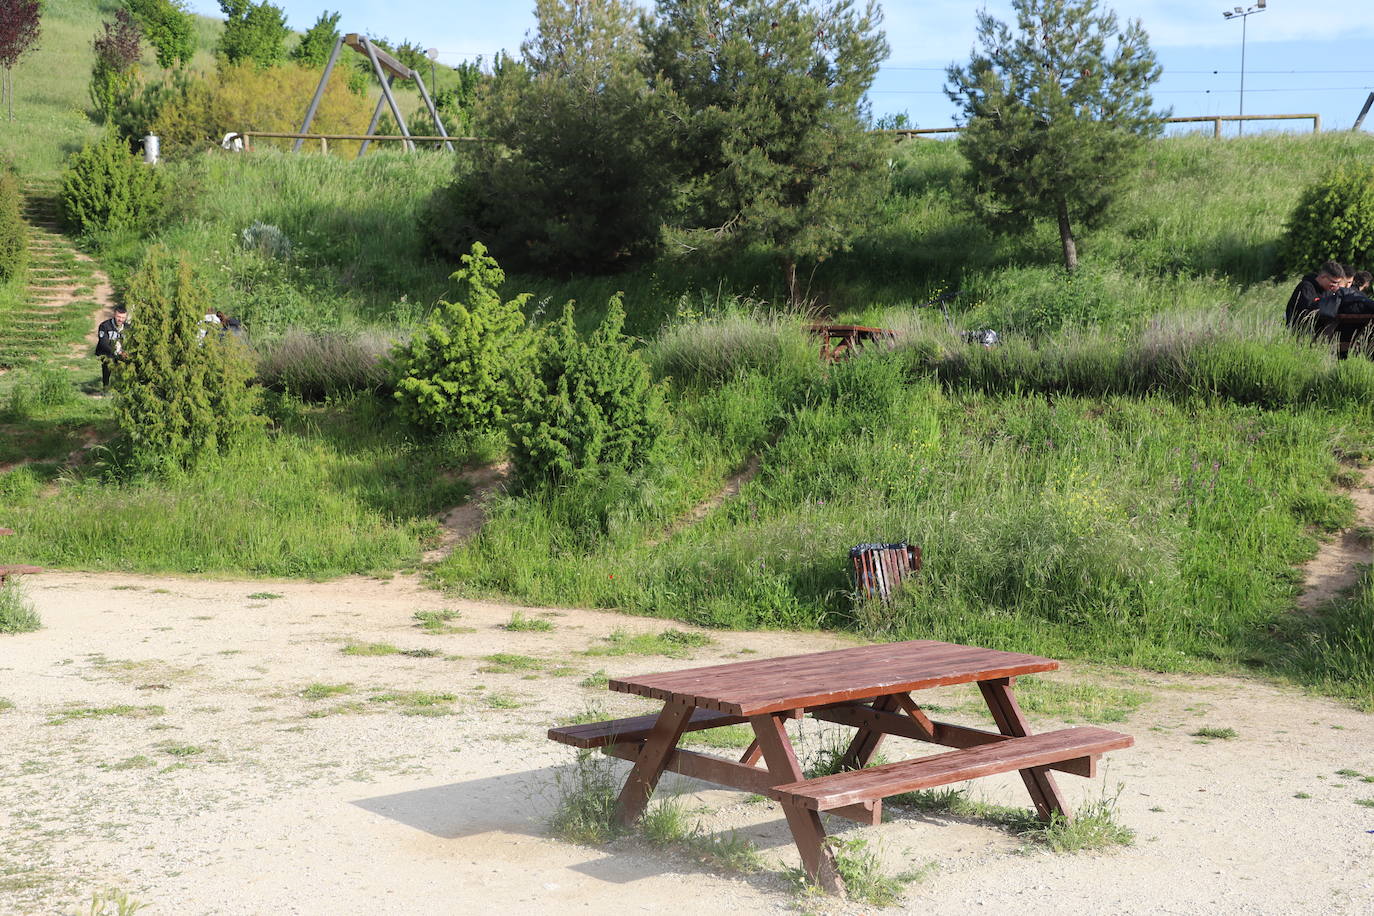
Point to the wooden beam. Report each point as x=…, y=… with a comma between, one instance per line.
x=388, y=63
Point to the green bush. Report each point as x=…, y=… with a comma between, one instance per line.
x=462, y=371
x=108, y=188
x=183, y=394
x=13, y=229
x=591, y=403
x=1334, y=220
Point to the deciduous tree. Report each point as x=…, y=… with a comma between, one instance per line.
x=1055, y=112
x=20, y=25
x=117, y=51
x=167, y=26
x=318, y=42
x=253, y=32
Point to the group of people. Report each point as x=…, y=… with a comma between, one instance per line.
x=1333, y=289
x=109, y=336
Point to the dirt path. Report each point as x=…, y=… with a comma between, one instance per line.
x=1341, y=561
x=466, y=519
x=210, y=748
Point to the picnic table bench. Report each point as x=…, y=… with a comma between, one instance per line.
x=13, y=570
x=868, y=688
x=838, y=340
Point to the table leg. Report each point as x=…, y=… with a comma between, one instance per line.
x=807, y=830
x=866, y=740
x=658, y=747
x=1044, y=792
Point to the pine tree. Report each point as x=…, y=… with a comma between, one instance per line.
x=318, y=42
x=773, y=145
x=181, y=395
x=1055, y=113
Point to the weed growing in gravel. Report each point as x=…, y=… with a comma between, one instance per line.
x=501, y=701
x=1070, y=702
x=182, y=750
x=1365, y=802
x=956, y=802
x=665, y=823
x=370, y=648
x=436, y=623
x=671, y=643
x=264, y=596
x=597, y=679
x=1302, y=795
x=113, y=902
x=584, y=808
x=6, y=705
x=136, y=762
x=1223, y=734
x=417, y=702
x=1093, y=826
x=727, y=736
x=73, y=713
x=1347, y=771
x=505, y=662
x=16, y=611
x=862, y=871
x=592, y=712
x=520, y=623
x=322, y=691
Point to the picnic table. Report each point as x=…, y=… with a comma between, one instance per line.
x=868, y=688
x=837, y=340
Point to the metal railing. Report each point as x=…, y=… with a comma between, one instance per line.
x=249, y=135
x=1215, y=120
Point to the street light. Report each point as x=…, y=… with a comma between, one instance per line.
x=1243, y=15
x=433, y=55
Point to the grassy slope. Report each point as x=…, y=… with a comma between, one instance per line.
x=1081, y=520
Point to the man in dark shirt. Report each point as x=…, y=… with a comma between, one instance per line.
x=1311, y=288
x=109, y=345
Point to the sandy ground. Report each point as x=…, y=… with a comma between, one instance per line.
x=238, y=794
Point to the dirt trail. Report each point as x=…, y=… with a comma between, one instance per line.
x=466, y=519
x=210, y=748
x=729, y=491
x=1341, y=561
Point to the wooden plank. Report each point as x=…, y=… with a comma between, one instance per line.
x=1025, y=753
x=768, y=685
x=1044, y=792
x=389, y=64
x=635, y=728
x=658, y=746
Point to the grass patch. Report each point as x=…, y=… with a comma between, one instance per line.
x=79, y=713
x=1074, y=702
x=957, y=802
x=324, y=691
x=585, y=793
x=501, y=701
x=182, y=750
x=6, y=705
x=438, y=623
x=1221, y=734
x=112, y=902
x=416, y=702
x=521, y=623
x=1348, y=772
x=264, y=596
x=17, y=614
x=724, y=737
x=671, y=643
x=136, y=762
x=598, y=679
x=1365, y=802
x=592, y=712
x=862, y=872
x=505, y=662
x=370, y=649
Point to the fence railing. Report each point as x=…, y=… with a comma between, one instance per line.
x=1215, y=120
x=249, y=135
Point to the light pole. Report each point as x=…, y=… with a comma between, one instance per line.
x=1243, y=14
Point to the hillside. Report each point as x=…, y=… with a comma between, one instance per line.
x=1133, y=476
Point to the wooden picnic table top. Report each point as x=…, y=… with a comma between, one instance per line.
x=799, y=681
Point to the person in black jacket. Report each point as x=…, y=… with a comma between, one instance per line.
x=109, y=345
x=1310, y=290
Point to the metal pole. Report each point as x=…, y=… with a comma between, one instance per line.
x=319, y=94
x=390, y=99
x=1244, y=25
x=433, y=112
x=372, y=125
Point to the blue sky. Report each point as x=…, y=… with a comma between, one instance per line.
x=1308, y=56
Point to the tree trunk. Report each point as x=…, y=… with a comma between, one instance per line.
x=1066, y=236
x=789, y=268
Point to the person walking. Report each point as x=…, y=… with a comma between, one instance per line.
x=109, y=343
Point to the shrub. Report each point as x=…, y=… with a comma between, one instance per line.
x=168, y=27
x=13, y=229
x=462, y=371
x=38, y=389
x=182, y=396
x=591, y=403
x=1334, y=219
x=117, y=53
x=318, y=365
x=16, y=611
x=107, y=188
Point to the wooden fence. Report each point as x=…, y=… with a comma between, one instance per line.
x=1215, y=120
x=409, y=142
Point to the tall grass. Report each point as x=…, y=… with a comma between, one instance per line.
x=322, y=364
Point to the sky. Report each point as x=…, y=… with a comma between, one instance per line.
x=1301, y=55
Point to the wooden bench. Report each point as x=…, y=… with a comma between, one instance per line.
x=7, y=571
x=633, y=729
x=876, y=783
